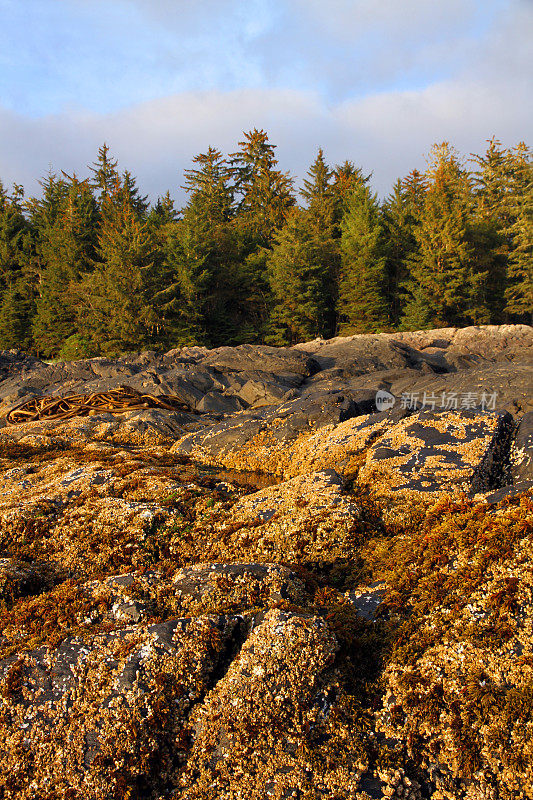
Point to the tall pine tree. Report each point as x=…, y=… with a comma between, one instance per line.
x=67, y=249
x=443, y=287
x=519, y=291
x=264, y=193
x=16, y=290
x=362, y=305
x=301, y=268
x=115, y=313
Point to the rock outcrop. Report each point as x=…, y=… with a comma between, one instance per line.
x=302, y=588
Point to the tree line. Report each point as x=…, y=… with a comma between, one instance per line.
x=91, y=268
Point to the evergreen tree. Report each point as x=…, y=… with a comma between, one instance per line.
x=493, y=219
x=300, y=268
x=209, y=186
x=362, y=305
x=163, y=213
x=210, y=258
x=318, y=193
x=346, y=178
x=106, y=176
x=115, y=314
x=264, y=192
x=16, y=295
x=400, y=214
x=400, y=244
x=443, y=287
x=66, y=250
x=226, y=247
x=130, y=191
x=519, y=292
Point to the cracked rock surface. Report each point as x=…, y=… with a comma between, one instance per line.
x=289, y=593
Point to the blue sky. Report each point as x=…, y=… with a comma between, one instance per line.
x=376, y=81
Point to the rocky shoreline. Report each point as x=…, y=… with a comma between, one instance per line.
x=316, y=582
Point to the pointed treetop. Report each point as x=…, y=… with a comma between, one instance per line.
x=105, y=172
x=318, y=184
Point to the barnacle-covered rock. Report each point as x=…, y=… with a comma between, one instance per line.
x=431, y=453
x=262, y=729
x=307, y=598
x=106, y=716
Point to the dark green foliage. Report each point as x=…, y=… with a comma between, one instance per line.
x=400, y=214
x=264, y=193
x=115, y=312
x=90, y=267
x=362, y=306
x=319, y=193
x=105, y=173
x=519, y=288
x=498, y=190
x=16, y=297
x=443, y=285
x=301, y=268
x=66, y=248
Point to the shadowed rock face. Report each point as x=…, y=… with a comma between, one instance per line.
x=356, y=623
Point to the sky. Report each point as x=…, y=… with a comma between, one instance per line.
x=374, y=81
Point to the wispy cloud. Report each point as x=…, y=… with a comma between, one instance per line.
x=376, y=81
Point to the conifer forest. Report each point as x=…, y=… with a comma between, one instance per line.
x=92, y=268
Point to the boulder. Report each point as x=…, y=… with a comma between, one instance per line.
x=275, y=699
x=256, y=441
x=106, y=716
x=246, y=357
x=429, y=453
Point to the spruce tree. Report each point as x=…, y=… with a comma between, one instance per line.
x=264, y=193
x=106, y=177
x=493, y=218
x=300, y=267
x=346, y=177
x=130, y=190
x=362, y=304
x=115, y=314
x=399, y=245
x=211, y=261
x=443, y=287
x=209, y=186
x=16, y=290
x=519, y=291
x=163, y=212
x=66, y=251
x=318, y=192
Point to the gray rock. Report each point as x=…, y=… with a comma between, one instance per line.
x=216, y=403
x=246, y=357
x=521, y=456
x=291, y=418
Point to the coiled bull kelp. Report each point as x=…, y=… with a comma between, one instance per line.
x=115, y=401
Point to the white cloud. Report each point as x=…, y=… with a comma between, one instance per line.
x=352, y=19
x=387, y=133
x=488, y=93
